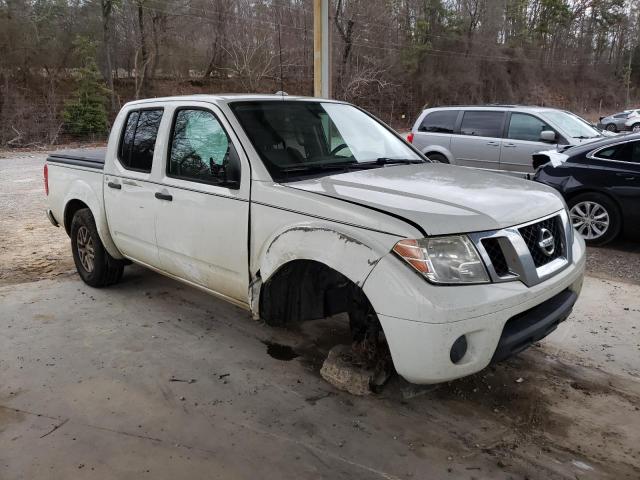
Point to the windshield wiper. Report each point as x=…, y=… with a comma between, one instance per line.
x=346, y=166
x=583, y=137
x=391, y=161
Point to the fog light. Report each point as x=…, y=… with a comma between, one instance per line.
x=458, y=349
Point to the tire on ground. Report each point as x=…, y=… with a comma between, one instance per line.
x=615, y=218
x=106, y=269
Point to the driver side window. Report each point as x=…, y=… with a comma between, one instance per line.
x=200, y=149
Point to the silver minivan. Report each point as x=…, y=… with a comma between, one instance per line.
x=496, y=137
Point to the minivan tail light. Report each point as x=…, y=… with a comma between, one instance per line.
x=410, y=138
x=46, y=179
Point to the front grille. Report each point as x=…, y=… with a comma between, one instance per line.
x=492, y=246
x=531, y=236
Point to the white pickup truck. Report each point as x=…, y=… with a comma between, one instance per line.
x=300, y=208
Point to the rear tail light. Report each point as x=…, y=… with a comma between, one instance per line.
x=46, y=179
x=410, y=138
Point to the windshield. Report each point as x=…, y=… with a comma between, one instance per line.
x=296, y=138
x=574, y=126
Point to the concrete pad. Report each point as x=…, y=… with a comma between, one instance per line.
x=102, y=365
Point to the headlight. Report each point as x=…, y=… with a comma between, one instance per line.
x=448, y=260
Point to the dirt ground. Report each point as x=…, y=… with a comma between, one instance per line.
x=152, y=378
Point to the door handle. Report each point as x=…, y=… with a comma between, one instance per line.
x=164, y=196
x=626, y=176
x=493, y=144
x=117, y=186
x=509, y=145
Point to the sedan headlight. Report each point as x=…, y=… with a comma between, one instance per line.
x=446, y=260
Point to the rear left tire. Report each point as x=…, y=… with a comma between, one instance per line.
x=94, y=264
x=611, y=127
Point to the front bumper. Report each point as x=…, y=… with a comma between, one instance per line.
x=422, y=321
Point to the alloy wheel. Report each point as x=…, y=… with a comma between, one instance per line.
x=590, y=219
x=85, y=248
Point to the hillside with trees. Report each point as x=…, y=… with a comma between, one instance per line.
x=68, y=65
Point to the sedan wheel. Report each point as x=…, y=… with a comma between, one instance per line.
x=590, y=219
x=636, y=128
x=612, y=128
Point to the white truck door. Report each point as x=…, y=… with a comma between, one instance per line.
x=128, y=193
x=203, y=203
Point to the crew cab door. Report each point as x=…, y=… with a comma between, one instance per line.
x=521, y=141
x=478, y=144
x=129, y=191
x=202, y=202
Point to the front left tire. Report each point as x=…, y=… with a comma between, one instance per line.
x=94, y=264
x=611, y=127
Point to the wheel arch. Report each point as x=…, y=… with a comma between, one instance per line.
x=315, y=258
x=579, y=191
x=81, y=195
x=440, y=150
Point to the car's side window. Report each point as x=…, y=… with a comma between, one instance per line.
x=200, y=149
x=138, y=140
x=482, y=124
x=624, y=152
x=443, y=121
x=526, y=127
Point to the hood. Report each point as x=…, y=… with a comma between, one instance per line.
x=442, y=199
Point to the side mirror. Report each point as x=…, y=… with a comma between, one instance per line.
x=232, y=169
x=548, y=136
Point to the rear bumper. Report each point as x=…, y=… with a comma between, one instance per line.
x=52, y=219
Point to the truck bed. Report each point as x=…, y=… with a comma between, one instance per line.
x=83, y=157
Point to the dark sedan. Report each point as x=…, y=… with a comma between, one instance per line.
x=600, y=182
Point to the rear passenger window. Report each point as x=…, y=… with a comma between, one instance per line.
x=482, y=124
x=526, y=127
x=625, y=152
x=139, y=140
x=439, y=122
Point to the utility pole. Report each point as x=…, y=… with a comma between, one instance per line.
x=321, y=54
x=628, y=75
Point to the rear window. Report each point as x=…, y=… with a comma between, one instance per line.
x=443, y=121
x=625, y=152
x=482, y=124
x=139, y=139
